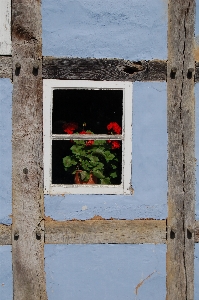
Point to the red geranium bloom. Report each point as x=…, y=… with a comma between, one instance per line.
x=83, y=132
x=89, y=143
x=115, y=145
x=70, y=127
x=114, y=127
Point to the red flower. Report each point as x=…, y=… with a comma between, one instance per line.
x=70, y=127
x=115, y=127
x=83, y=132
x=115, y=145
x=89, y=143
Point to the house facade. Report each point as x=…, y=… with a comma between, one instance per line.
x=139, y=244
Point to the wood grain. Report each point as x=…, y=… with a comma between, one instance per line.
x=27, y=172
x=6, y=67
x=60, y=232
x=103, y=69
x=181, y=156
x=105, y=232
x=155, y=70
x=5, y=234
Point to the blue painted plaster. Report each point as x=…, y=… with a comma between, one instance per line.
x=105, y=272
x=5, y=150
x=197, y=149
x=149, y=167
x=94, y=28
x=6, y=281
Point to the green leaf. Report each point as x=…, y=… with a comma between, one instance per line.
x=105, y=181
x=84, y=175
x=68, y=162
x=98, y=174
x=113, y=175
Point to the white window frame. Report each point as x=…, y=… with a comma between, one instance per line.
x=5, y=27
x=54, y=189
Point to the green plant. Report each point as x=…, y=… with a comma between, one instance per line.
x=99, y=157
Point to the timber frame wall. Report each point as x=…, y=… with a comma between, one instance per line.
x=31, y=229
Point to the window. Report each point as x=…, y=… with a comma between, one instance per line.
x=87, y=137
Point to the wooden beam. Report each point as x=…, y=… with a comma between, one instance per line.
x=5, y=234
x=155, y=70
x=71, y=232
x=6, y=67
x=196, y=235
x=181, y=156
x=197, y=72
x=103, y=69
x=27, y=172
x=105, y=232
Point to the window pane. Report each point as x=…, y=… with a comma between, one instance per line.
x=100, y=157
x=89, y=109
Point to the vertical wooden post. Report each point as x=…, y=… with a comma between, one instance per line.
x=27, y=175
x=181, y=155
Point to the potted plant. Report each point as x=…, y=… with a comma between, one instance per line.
x=93, y=161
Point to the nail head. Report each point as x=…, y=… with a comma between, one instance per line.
x=18, y=65
x=191, y=70
x=36, y=66
x=173, y=69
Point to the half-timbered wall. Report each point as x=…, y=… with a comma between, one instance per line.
x=127, y=248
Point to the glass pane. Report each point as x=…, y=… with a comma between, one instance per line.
x=91, y=162
x=91, y=110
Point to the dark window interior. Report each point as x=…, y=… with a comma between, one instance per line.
x=93, y=108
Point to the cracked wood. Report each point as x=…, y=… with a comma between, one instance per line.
x=6, y=67
x=105, y=232
x=103, y=69
x=181, y=156
x=27, y=172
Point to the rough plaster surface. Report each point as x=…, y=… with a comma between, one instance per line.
x=5, y=150
x=122, y=29
x=149, y=168
x=5, y=273
x=106, y=272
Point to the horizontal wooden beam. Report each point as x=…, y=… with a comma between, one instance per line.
x=105, y=232
x=103, y=69
x=97, y=69
x=5, y=234
x=100, y=232
x=6, y=67
x=197, y=72
x=196, y=238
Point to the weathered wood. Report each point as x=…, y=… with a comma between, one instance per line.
x=60, y=232
x=103, y=69
x=181, y=158
x=5, y=234
x=27, y=173
x=54, y=66
x=196, y=235
x=5, y=24
x=5, y=67
x=197, y=72
x=105, y=232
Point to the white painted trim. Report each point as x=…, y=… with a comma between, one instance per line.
x=5, y=27
x=125, y=188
